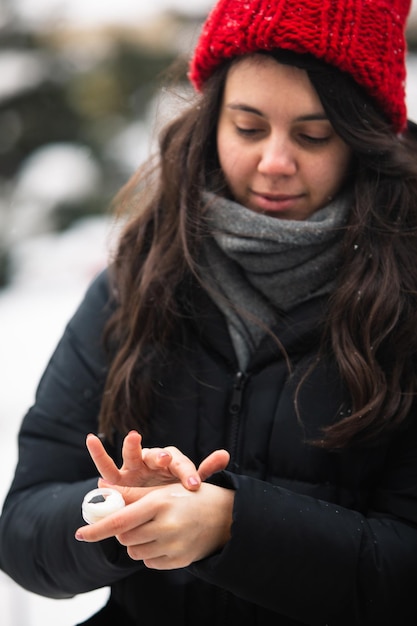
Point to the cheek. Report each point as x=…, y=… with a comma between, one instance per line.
x=232, y=162
x=341, y=164
x=335, y=170
x=223, y=154
x=225, y=147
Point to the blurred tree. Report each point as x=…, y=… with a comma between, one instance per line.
x=47, y=97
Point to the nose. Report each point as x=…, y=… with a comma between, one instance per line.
x=277, y=158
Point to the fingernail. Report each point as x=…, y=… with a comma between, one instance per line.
x=193, y=481
x=79, y=536
x=163, y=455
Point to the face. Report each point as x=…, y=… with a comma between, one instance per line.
x=277, y=149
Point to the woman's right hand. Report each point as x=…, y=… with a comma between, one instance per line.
x=150, y=467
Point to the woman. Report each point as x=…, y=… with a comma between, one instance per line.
x=259, y=323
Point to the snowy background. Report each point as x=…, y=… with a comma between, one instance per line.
x=50, y=274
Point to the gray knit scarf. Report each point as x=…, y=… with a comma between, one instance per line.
x=264, y=265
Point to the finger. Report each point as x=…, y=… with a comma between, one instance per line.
x=159, y=563
x=156, y=458
x=103, y=529
x=215, y=462
x=145, y=551
x=184, y=469
x=103, y=462
x=132, y=450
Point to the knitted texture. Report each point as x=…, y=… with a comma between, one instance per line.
x=365, y=38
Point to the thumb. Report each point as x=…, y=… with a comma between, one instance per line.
x=215, y=462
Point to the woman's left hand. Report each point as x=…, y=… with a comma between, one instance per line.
x=149, y=467
x=168, y=527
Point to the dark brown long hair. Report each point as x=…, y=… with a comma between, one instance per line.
x=372, y=315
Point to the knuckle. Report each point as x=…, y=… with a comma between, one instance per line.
x=122, y=539
x=135, y=553
x=173, y=450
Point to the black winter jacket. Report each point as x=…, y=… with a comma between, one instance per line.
x=319, y=537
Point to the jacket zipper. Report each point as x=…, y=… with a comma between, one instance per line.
x=235, y=406
x=238, y=385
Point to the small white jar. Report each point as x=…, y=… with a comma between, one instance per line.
x=99, y=503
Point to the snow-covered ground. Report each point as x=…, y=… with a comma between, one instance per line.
x=51, y=275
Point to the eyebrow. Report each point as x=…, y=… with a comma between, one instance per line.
x=311, y=117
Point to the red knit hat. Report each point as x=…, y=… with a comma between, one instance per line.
x=365, y=38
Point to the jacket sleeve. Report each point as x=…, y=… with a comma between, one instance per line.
x=319, y=563
x=43, y=507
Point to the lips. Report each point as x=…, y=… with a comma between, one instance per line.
x=276, y=197
x=274, y=202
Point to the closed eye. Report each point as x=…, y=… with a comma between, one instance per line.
x=247, y=132
x=314, y=140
